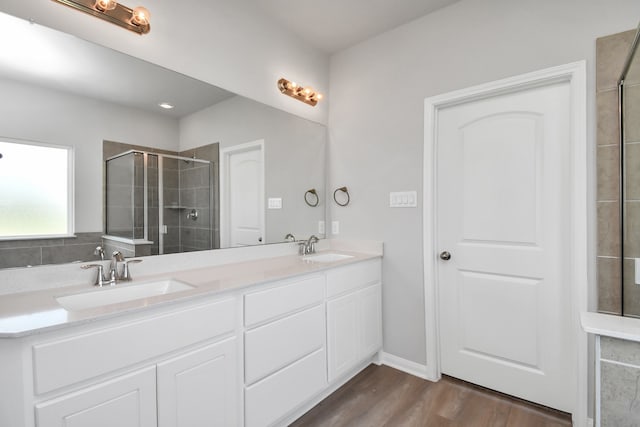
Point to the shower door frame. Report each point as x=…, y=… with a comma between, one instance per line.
x=161, y=157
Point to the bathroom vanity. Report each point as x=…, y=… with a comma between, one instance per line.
x=253, y=343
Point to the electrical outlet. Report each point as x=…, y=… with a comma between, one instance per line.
x=320, y=227
x=335, y=227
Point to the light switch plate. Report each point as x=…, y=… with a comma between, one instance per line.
x=403, y=199
x=335, y=227
x=320, y=227
x=275, y=203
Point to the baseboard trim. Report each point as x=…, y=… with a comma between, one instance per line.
x=404, y=365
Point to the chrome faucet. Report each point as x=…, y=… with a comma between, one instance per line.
x=309, y=246
x=116, y=257
x=113, y=276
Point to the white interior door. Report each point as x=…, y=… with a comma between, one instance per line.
x=242, y=221
x=503, y=214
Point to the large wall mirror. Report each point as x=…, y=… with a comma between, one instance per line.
x=217, y=170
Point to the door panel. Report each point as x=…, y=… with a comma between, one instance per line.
x=126, y=401
x=199, y=388
x=502, y=206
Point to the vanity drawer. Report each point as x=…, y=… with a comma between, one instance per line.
x=275, y=396
x=280, y=300
x=344, y=279
x=277, y=344
x=77, y=358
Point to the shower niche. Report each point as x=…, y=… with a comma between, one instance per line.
x=160, y=203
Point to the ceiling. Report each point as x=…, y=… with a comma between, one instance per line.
x=333, y=25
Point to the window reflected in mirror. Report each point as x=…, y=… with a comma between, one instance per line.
x=36, y=190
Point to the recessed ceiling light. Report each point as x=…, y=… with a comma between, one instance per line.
x=166, y=105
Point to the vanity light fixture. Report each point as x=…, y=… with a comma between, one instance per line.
x=136, y=20
x=308, y=95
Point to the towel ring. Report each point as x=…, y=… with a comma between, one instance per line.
x=314, y=193
x=345, y=191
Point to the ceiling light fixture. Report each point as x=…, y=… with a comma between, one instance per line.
x=165, y=105
x=308, y=95
x=136, y=20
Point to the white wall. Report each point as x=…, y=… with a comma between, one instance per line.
x=376, y=119
x=225, y=43
x=294, y=157
x=42, y=115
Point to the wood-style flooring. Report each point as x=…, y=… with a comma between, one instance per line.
x=383, y=396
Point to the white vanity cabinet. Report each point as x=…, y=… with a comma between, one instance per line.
x=354, y=316
x=177, y=367
x=285, y=348
x=261, y=355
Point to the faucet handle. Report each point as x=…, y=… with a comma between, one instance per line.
x=100, y=280
x=126, y=272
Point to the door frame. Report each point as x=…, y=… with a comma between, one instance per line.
x=225, y=154
x=575, y=75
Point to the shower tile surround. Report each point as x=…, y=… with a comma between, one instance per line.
x=611, y=52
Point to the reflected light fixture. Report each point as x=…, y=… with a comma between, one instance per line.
x=308, y=95
x=136, y=20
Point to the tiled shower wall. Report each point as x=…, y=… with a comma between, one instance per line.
x=611, y=53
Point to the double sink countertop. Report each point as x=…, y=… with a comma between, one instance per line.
x=28, y=313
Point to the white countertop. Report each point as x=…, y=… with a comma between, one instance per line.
x=34, y=312
x=626, y=328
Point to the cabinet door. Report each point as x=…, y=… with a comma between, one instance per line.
x=342, y=334
x=370, y=320
x=200, y=388
x=127, y=401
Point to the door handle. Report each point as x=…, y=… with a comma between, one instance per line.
x=444, y=255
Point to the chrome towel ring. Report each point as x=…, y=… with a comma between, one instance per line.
x=313, y=193
x=345, y=191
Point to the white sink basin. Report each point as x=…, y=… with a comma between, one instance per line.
x=330, y=257
x=120, y=293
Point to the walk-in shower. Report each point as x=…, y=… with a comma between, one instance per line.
x=159, y=203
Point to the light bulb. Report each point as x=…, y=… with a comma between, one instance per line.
x=307, y=90
x=104, y=5
x=318, y=96
x=140, y=16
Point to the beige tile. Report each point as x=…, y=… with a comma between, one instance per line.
x=611, y=52
x=609, y=286
x=632, y=114
x=608, y=120
x=608, y=229
x=618, y=395
x=632, y=171
x=632, y=230
x=608, y=173
x=620, y=350
x=631, y=299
